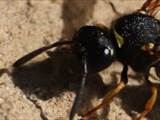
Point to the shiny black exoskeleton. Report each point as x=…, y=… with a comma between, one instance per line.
x=138, y=31
x=94, y=43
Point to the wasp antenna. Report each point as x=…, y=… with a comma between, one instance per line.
x=33, y=54
x=80, y=90
x=150, y=7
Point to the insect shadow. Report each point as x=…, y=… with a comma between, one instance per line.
x=59, y=73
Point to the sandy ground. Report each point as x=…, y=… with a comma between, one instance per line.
x=45, y=88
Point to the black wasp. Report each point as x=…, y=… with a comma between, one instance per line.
x=134, y=40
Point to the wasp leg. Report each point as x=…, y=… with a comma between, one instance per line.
x=111, y=94
x=33, y=54
x=150, y=102
x=80, y=90
x=150, y=7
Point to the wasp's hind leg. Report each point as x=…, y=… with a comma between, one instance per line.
x=150, y=7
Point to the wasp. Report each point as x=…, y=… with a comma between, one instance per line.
x=134, y=40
